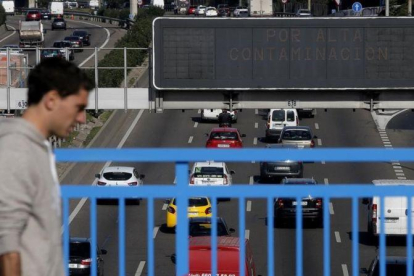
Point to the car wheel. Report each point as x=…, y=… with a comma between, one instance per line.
x=278, y=222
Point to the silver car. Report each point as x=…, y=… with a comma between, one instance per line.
x=297, y=135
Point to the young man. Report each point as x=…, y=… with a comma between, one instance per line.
x=30, y=215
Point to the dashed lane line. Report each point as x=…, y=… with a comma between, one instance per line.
x=331, y=209
x=256, y=125
x=323, y=162
x=319, y=142
x=155, y=232
x=337, y=237
x=249, y=206
x=326, y=181
x=256, y=111
x=140, y=268
x=199, y=111
x=190, y=140
x=402, y=178
x=255, y=141
x=345, y=270
x=196, y=124
x=247, y=234
x=251, y=180
x=316, y=126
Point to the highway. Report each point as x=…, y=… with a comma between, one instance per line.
x=173, y=128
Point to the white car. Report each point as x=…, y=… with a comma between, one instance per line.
x=211, y=174
x=119, y=176
x=201, y=10
x=211, y=12
x=239, y=9
x=213, y=114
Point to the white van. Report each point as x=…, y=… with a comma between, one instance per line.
x=279, y=118
x=8, y=7
x=395, y=211
x=56, y=8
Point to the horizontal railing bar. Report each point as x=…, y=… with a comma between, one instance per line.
x=255, y=191
x=235, y=155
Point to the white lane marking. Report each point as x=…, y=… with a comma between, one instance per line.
x=345, y=270
x=251, y=180
x=331, y=209
x=323, y=162
x=337, y=237
x=386, y=143
x=108, y=36
x=256, y=111
x=256, y=125
x=255, y=141
x=319, y=142
x=249, y=206
x=190, y=139
x=199, y=111
x=398, y=171
x=396, y=164
x=397, y=167
x=402, y=178
x=175, y=180
x=155, y=231
x=316, y=126
x=400, y=174
x=326, y=181
x=140, y=268
x=253, y=162
x=247, y=234
x=9, y=34
x=164, y=206
x=121, y=143
x=196, y=124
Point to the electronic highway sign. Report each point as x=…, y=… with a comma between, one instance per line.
x=283, y=53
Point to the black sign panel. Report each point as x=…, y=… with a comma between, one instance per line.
x=284, y=53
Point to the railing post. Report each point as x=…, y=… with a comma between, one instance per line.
x=150, y=90
x=37, y=55
x=8, y=80
x=96, y=79
x=67, y=53
x=125, y=80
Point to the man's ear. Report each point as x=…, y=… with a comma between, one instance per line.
x=51, y=99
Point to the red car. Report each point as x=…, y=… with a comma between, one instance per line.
x=225, y=137
x=33, y=16
x=191, y=10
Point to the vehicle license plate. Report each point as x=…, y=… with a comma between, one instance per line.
x=282, y=168
x=303, y=203
x=73, y=265
x=223, y=146
x=192, y=213
x=390, y=220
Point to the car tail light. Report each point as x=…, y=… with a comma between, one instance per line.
x=319, y=203
x=374, y=213
x=297, y=120
x=312, y=144
x=268, y=123
x=192, y=179
x=171, y=210
x=208, y=211
x=100, y=183
x=225, y=180
x=280, y=203
x=133, y=183
x=86, y=262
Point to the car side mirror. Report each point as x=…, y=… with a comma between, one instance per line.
x=365, y=201
x=141, y=176
x=243, y=135
x=315, y=137
x=98, y=175
x=232, y=172
x=103, y=251
x=173, y=258
x=231, y=230
x=206, y=134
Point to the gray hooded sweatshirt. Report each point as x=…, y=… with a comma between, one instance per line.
x=30, y=215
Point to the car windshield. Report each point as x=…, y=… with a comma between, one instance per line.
x=296, y=135
x=278, y=116
x=80, y=249
x=223, y=135
x=202, y=172
x=198, y=229
x=211, y=9
x=195, y=202
x=117, y=176
x=392, y=269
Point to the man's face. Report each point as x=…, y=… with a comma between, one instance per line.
x=69, y=111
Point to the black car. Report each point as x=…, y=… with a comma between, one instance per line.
x=76, y=42
x=84, y=36
x=80, y=261
x=312, y=207
x=278, y=169
x=45, y=14
x=59, y=23
x=62, y=45
x=48, y=53
x=394, y=265
x=201, y=226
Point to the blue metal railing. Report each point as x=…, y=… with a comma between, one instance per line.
x=182, y=191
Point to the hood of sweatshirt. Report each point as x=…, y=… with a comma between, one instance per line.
x=19, y=126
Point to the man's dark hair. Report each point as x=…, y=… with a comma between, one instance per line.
x=56, y=74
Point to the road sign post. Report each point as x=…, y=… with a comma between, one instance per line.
x=284, y=5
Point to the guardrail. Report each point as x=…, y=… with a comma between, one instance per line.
x=182, y=191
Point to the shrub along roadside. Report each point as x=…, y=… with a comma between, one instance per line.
x=139, y=36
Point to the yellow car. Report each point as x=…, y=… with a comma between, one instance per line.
x=197, y=207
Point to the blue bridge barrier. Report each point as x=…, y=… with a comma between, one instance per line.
x=182, y=191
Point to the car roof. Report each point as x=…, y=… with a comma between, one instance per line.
x=209, y=164
x=297, y=128
x=299, y=181
x=392, y=182
x=395, y=259
x=224, y=129
x=77, y=239
x=118, y=169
